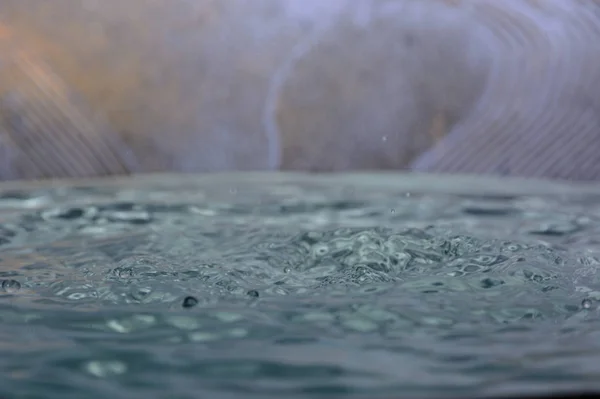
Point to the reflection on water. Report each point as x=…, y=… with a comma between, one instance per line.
x=298, y=286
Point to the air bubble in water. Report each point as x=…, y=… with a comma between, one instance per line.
x=189, y=302
x=77, y=296
x=586, y=304
x=10, y=286
x=141, y=294
x=123, y=272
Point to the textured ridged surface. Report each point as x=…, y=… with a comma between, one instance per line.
x=472, y=86
x=380, y=85
x=540, y=112
x=45, y=131
x=184, y=83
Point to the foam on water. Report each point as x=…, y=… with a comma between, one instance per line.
x=298, y=286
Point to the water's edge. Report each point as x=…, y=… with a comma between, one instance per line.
x=405, y=181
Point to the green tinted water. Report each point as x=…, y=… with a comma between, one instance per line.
x=269, y=286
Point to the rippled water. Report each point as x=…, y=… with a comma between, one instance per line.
x=269, y=286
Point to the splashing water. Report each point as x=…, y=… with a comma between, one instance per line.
x=296, y=286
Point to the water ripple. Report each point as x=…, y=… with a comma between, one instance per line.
x=298, y=290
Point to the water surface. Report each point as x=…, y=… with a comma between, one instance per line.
x=298, y=286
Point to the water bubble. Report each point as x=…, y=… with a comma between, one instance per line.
x=10, y=286
x=320, y=249
x=189, y=302
x=253, y=293
x=141, y=294
x=77, y=296
x=123, y=272
x=287, y=270
x=586, y=304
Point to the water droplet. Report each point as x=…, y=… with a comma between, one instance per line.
x=392, y=210
x=586, y=304
x=287, y=270
x=253, y=293
x=10, y=286
x=189, y=302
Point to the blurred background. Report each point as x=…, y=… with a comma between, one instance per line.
x=94, y=88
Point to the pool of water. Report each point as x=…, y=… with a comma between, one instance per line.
x=298, y=286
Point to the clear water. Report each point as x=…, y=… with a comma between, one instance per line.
x=270, y=286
